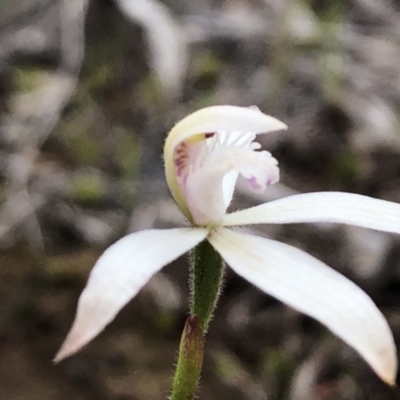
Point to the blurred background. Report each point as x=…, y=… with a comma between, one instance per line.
x=88, y=91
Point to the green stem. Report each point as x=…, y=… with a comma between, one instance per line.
x=206, y=276
x=190, y=361
x=207, y=272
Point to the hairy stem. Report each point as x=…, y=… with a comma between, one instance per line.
x=190, y=361
x=206, y=277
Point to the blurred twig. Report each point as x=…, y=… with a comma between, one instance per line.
x=168, y=49
x=32, y=118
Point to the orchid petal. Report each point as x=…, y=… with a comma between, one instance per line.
x=119, y=274
x=346, y=208
x=209, y=120
x=208, y=189
x=308, y=285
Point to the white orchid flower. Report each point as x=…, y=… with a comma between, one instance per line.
x=204, y=154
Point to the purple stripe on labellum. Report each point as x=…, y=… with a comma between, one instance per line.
x=181, y=158
x=254, y=184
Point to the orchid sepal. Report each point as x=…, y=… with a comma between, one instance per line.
x=112, y=283
x=311, y=287
x=206, y=121
x=331, y=207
